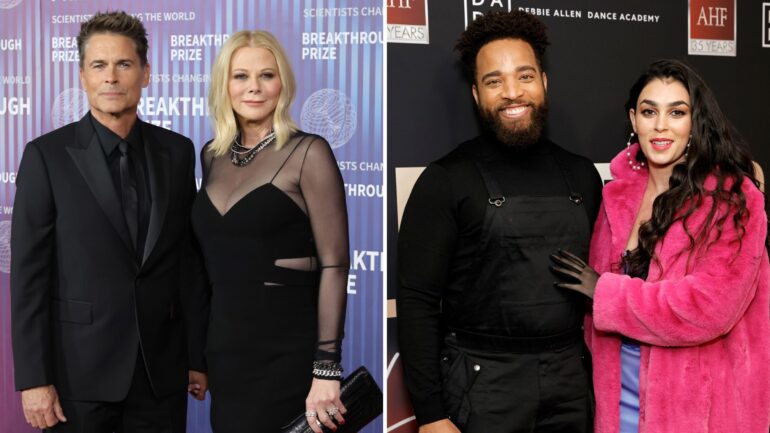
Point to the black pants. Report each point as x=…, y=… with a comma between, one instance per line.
x=139, y=412
x=494, y=392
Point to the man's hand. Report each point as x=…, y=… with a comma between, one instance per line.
x=440, y=426
x=197, y=384
x=41, y=407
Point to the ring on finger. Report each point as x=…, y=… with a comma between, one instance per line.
x=332, y=410
x=311, y=414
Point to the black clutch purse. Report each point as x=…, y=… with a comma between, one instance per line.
x=361, y=397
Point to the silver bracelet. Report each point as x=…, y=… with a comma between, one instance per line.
x=327, y=370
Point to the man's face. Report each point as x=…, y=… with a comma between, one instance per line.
x=510, y=92
x=112, y=75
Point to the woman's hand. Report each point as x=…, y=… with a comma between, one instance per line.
x=440, y=426
x=570, y=266
x=323, y=403
x=197, y=384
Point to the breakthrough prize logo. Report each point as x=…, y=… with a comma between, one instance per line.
x=9, y=4
x=68, y=107
x=330, y=114
x=5, y=247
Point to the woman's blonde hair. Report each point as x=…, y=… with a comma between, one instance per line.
x=221, y=111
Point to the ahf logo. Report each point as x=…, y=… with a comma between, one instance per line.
x=407, y=21
x=330, y=114
x=766, y=25
x=714, y=17
x=712, y=26
x=400, y=4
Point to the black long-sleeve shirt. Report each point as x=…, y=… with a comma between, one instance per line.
x=439, y=233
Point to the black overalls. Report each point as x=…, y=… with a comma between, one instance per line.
x=512, y=358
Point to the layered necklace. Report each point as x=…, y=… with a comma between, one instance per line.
x=241, y=155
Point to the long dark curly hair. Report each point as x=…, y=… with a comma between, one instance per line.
x=715, y=149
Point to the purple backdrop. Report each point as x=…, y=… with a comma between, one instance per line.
x=336, y=49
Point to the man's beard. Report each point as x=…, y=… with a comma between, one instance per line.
x=512, y=135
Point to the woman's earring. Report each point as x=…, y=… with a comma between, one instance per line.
x=635, y=165
x=687, y=147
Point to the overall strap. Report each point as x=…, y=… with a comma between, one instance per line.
x=574, y=195
x=495, y=200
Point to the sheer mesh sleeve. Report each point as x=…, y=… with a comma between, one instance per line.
x=206, y=159
x=322, y=188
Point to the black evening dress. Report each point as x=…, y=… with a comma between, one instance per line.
x=274, y=237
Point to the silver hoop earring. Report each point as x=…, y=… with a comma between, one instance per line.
x=635, y=165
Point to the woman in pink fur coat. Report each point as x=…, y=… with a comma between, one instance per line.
x=679, y=274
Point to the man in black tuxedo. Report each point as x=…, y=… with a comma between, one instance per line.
x=109, y=309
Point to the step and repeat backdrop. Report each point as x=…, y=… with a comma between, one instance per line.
x=336, y=50
x=598, y=49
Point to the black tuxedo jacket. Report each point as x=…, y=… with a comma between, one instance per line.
x=82, y=304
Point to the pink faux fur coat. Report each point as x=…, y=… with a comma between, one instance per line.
x=704, y=332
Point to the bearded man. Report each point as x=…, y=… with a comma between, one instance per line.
x=488, y=343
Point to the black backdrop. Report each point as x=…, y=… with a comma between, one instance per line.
x=591, y=64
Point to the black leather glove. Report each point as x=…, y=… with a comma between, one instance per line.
x=569, y=265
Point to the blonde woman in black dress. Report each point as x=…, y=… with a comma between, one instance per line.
x=272, y=224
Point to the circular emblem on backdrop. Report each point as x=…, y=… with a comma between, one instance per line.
x=330, y=114
x=9, y=4
x=68, y=107
x=5, y=247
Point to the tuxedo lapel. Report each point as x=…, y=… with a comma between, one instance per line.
x=159, y=173
x=89, y=158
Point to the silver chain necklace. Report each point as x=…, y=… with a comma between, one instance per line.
x=241, y=155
